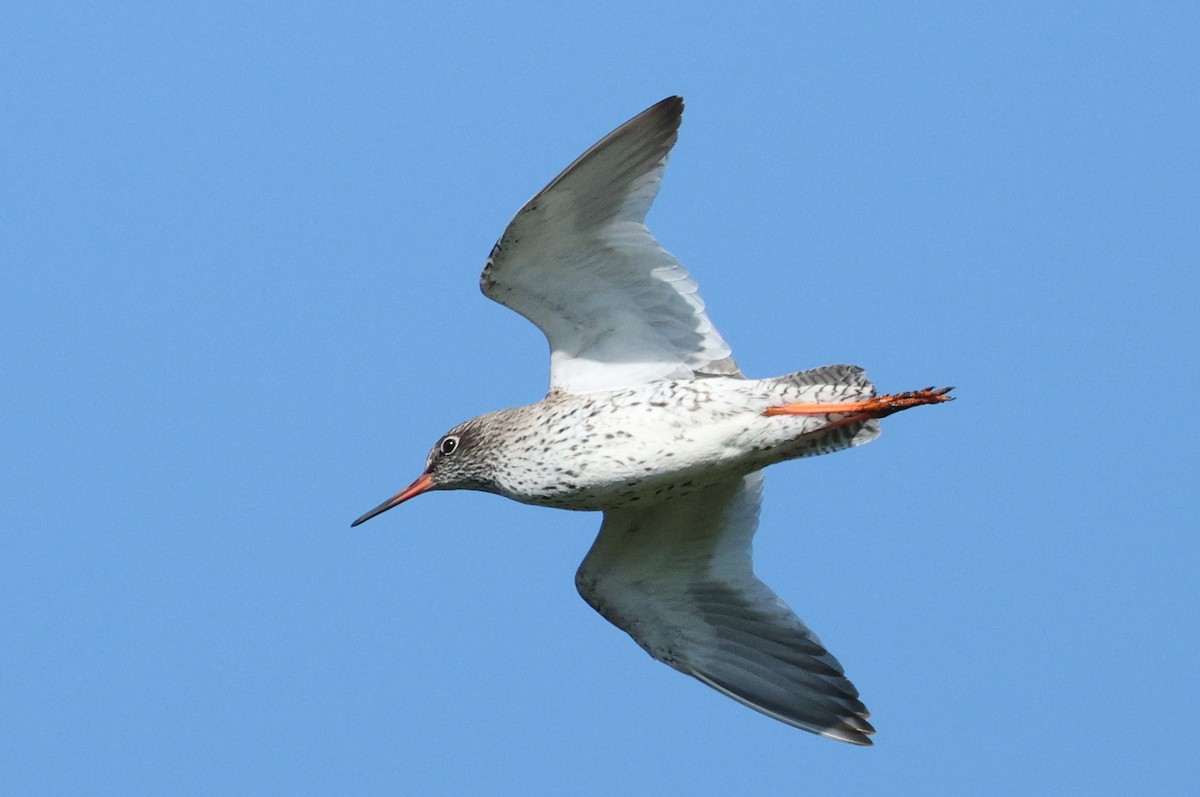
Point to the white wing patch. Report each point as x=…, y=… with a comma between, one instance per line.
x=579, y=262
x=677, y=577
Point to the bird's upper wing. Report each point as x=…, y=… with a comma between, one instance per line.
x=579, y=263
x=677, y=577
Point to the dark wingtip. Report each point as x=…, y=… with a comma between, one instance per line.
x=671, y=107
x=852, y=730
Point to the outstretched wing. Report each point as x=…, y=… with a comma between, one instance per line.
x=578, y=262
x=677, y=577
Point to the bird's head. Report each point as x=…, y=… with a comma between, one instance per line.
x=456, y=462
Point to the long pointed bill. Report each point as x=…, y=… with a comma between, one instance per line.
x=416, y=488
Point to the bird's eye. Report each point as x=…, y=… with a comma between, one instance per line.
x=449, y=444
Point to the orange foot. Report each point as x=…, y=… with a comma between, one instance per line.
x=878, y=407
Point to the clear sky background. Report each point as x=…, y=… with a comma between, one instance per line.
x=238, y=302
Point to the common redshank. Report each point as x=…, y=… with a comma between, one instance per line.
x=650, y=421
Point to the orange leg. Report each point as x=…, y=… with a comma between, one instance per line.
x=877, y=407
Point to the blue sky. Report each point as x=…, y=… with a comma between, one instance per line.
x=238, y=302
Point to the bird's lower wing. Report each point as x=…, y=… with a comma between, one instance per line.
x=677, y=577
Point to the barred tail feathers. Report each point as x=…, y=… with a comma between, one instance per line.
x=831, y=383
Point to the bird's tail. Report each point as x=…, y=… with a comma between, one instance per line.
x=829, y=384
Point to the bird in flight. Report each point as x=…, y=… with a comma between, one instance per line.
x=649, y=420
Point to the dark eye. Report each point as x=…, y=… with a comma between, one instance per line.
x=449, y=444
